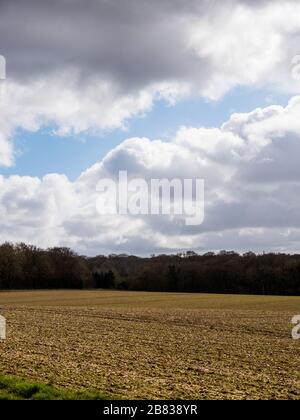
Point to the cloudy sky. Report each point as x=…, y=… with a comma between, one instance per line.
x=162, y=89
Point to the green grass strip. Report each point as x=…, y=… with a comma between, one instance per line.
x=12, y=388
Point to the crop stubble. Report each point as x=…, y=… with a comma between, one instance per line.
x=154, y=345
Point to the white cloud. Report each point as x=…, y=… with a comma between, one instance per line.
x=252, y=174
x=95, y=68
x=245, y=45
x=62, y=101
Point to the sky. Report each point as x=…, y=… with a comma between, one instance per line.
x=162, y=89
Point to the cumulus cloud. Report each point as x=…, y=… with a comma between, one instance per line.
x=71, y=107
x=136, y=43
x=95, y=65
x=252, y=191
x=79, y=66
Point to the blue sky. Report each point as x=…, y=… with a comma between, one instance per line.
x=93, y=67
x=43, y=152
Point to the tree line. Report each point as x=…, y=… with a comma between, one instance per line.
x=28, y=267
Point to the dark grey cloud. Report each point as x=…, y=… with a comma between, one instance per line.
x=133, y=42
